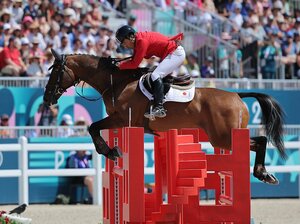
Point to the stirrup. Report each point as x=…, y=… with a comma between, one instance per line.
x=156, y=112
x=159, y=112
x=149, y=114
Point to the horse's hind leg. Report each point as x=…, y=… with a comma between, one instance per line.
x=259, y=144
x=100, y=144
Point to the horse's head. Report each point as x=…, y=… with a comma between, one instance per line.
x=61, y=78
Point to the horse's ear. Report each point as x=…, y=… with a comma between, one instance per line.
x=56, y=55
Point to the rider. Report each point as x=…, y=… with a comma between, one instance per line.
x=145, y=45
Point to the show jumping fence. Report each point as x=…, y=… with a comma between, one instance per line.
x=181, y=170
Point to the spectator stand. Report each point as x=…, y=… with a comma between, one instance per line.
x=202, y=24
x=200, y=35
x=48, y=23
x=207, y=19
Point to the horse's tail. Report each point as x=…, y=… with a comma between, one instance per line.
x=272, y=119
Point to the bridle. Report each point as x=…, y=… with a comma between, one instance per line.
x=55, y=90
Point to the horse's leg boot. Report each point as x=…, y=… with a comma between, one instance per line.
x=114, y=153
x=117, y=152
x=259, y=170
x=110, y=156
x=100, y=144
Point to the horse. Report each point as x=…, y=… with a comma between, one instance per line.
x=214, y=110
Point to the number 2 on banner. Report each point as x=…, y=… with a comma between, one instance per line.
x=256, y=110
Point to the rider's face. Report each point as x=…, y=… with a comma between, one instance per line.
x=127, y=43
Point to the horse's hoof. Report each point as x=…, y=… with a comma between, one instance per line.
x=117, y=152
x=269, y=179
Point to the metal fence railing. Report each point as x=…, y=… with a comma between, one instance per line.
x=243, y=84
x=24, y=172
x=43, y=131
x=294, y=84
x=23, y=81
x=54, y=131
x=294, y=4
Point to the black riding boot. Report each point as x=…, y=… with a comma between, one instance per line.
x=159, y=110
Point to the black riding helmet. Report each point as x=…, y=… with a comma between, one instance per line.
x=124, y=32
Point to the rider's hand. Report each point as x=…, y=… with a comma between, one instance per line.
x=115, y=67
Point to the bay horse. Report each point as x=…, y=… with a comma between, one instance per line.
x=213, y=110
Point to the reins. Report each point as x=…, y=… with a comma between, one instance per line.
x=76, y=83
x=114, y=61
x=81, y=95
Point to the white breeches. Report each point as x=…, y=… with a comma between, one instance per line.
x=169, y=64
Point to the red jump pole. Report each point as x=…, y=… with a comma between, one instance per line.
x=123, y=179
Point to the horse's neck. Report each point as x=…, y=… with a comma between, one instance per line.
x=124, y=76
x=121, y=79
x=94, y=72
x=87, y=69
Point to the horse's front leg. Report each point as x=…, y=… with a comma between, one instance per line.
x=259, y=144
x=100, y=145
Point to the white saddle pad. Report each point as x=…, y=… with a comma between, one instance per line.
x=175, y=94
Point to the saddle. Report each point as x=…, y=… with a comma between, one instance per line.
x=180, y=81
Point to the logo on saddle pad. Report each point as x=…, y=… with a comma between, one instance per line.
x=175, y=93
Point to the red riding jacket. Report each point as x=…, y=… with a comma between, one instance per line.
x=148, y=44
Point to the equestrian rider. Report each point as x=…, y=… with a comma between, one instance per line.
x=145, y=45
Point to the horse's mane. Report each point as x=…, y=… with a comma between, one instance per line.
x=106, y=61
x=81, y=54
x=133, y=73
